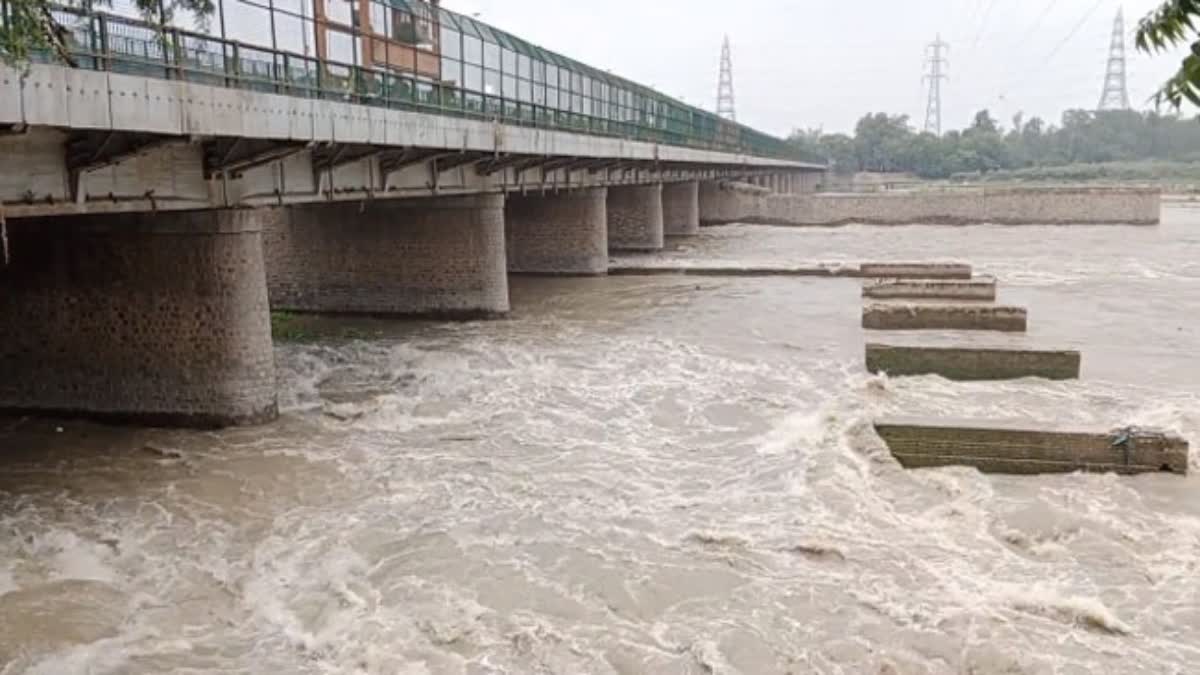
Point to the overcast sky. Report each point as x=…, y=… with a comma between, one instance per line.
x=824, y=63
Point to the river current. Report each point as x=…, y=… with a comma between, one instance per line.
x=639, y=475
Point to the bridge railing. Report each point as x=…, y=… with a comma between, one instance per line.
x=109, y=42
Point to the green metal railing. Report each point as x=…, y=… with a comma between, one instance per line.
x=585, y=100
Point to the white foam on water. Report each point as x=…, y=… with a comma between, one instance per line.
x=1044, y=600
x=632, y=476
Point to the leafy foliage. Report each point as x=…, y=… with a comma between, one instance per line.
x=1171, y=24
x=29, y=26
x=888, y=143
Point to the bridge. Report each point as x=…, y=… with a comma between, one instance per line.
x=163, y=189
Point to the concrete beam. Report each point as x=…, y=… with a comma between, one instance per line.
x=1022, y=448
x=980, y=288
x=943, y=317
x=329, y=156
x=972, y=363
x=154, y=318
x=235, y=155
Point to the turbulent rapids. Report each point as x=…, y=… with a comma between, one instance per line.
x=666, y=474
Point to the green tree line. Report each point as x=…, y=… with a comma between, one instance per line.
x=883, y=142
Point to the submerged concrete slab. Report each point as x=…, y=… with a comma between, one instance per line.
x=908, y=270
x=1022, y=448
x=637, y=267
x=944, y=317
x=979, y=288
x=972, y=363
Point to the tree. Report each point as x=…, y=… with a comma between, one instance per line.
x=29, y=26
x=880, y=139
x=1172, y=24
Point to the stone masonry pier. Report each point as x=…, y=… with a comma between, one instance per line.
x=681, y=208
x=440, y=256
x=154, y=318
x=725, y=202
x=635, y=217
x=562, y=232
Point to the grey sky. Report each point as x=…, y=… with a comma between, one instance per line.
x=824, y=63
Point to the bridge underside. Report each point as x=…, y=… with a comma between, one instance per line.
x=163, y=317
x=153, y=224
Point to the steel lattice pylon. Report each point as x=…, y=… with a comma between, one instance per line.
x=725, y=105
x=935, y=61
x=1116, y=94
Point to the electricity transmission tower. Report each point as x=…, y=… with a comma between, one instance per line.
x=935, y=71
x=1115, y=95
x=725, y=107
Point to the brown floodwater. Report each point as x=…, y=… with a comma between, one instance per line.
x=639, y=475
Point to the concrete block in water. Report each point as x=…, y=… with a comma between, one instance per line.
x=997, y=447
x=905, y=270
x=893, y=270
x=944, y=317
x=973, y=363
x=980, y=288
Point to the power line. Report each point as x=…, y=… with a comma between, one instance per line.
x=987, y=12
x=1074, y=30
x=1026, y=77
x=1037, y=23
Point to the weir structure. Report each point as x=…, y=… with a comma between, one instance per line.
x=164, y=189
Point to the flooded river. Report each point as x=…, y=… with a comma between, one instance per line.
x=638, y=475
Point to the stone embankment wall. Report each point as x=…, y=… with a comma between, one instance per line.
x=734, y=202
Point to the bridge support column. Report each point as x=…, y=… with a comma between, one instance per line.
x=421, y=256
x=157, y=318
x=681, y=208
x=635, y=217
x=722, y=202
x=559, y=233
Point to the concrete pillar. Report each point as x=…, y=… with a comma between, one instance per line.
x=560, y=233
x=809, y=181
x=439, y=256
x=157, y=318
x=635, y=217
x=681, y=208
x=722, y=203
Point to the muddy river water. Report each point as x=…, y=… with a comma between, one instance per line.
x=638, y=475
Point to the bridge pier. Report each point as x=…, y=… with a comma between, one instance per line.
x=158, y=318
x=635, y=217
x=557, y=233
x=681, y=208
x=722, y=203
x=441, y=256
